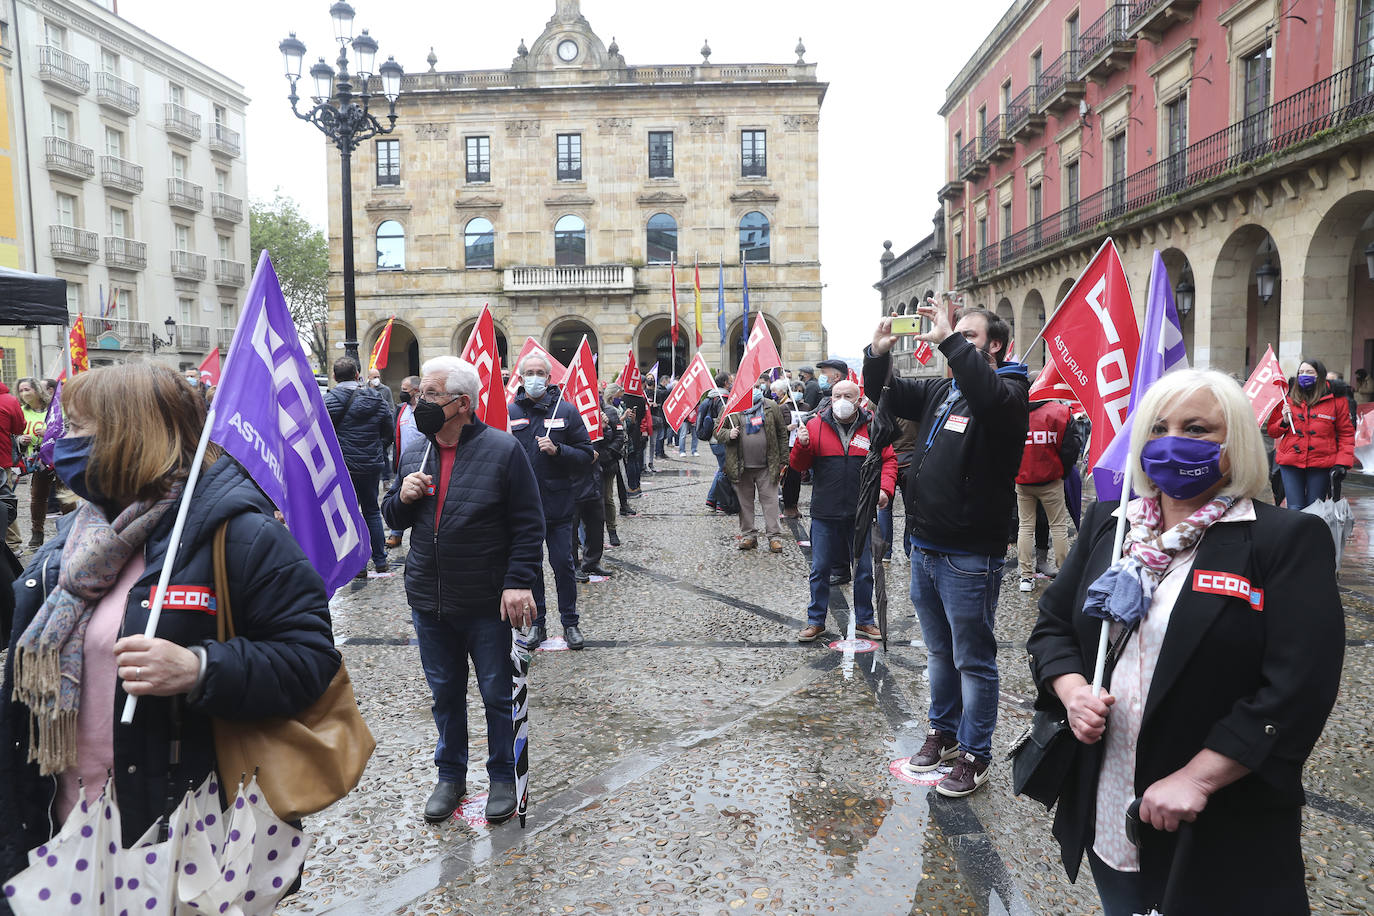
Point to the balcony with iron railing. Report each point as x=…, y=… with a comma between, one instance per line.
x=181, y=121
x=225, y=207
x=971, y=166
x=1107, y=44
x=188, y=265
x=122, y=333
x=185, y=195
x=224, y=337
x=1024, y=118
x=121, y=174
x=69, y=158
x=1150, y=19
x=1061, y=86
x=58, y=68
x=125, y=254
x=116, y=94
x=965, y=274
x=1339, y=100
x=601, y=278
x=224, y=140
x=194, y=338
x=72, y=244
x=229, y=273
x=995, y=143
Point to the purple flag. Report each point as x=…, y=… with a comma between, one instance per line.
x=1161, y=349
x=53, y=427
x=270, y=416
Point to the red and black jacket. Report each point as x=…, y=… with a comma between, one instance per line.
x=834, y=468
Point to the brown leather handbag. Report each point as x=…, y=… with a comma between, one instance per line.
x=306, y=762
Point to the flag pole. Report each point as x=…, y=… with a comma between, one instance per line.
x=1099, y=669
x=169, y=559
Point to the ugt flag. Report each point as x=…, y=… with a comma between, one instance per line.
x=688, y=392
x=579, y=389
x=269, y=414
x=481, y=351
x=1161, y=351
x=1093, y=340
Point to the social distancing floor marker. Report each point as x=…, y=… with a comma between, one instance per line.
x=377, y=575
x=473, y=811
x=553, y=644
x=918, y=779
x=853, y=645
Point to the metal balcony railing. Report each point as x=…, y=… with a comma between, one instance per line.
x=606, y=278
x=185, y=195
x=72, y=244
x=125, y=254
x=130, y=335
x=225, y=337
x=992, y=133
x=1023, y=113
x=1150, y=19
x=1341, y=98
x=181, y=121
x=969, y=163
x=229, y=273
x=965, y=273
x=118, y=94
x=121, y=174
x=60, y=68
x=1060, y=85
x=1106, y=41
x=225, y=207
x=224, y=140
x=193, y=338
x=68, y=158
x=188, y=265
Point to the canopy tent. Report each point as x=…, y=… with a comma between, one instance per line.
x=27, y=298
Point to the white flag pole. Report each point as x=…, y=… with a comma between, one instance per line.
x=1102, y=638
x=169, y=559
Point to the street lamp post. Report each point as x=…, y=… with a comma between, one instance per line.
x=343, y=116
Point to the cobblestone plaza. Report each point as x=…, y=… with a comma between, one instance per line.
x=696, y=759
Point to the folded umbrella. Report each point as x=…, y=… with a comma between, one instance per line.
x=882, y=430
x=520, y=656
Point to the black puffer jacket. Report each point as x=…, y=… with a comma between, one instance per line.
x=364, y=428
x=281, y=662
x=490, y=535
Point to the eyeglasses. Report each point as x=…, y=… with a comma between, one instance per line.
x=429, y=397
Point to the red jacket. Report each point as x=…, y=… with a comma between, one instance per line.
x=1040, y=460
x=1322, y=435
x=835, y=470
x=11, y=423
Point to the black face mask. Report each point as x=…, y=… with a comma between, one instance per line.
x=430, y=417
x=405, y=397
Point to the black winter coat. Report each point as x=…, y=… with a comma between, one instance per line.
x=491, y=532
x=364, y=429
x=613, y=442
x=561, y=474
x=961, y=486
x=1253, y=685
x=281, y=661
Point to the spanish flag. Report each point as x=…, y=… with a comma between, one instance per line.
x=380, y=348
x=77, y=340
x=696, y=285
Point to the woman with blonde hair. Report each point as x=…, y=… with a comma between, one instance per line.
x=76, y=647
x=1219, y=691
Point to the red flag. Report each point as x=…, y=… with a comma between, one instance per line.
x=209, y=368
x=1093, y=339
x=1267, y=386
x=382, y=347
x=688, y=392
x=923, y=352
x=672, y=268
x=81, y=361
x=579, y=389
x=630, y=379
x=857, y=379
x=759, y=356
x=532, y=346
x=481, y=351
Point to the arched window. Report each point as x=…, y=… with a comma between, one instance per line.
x=661, y=239
x=570, y=241
x=391, y=246
x=479, y=243
x=753, y=237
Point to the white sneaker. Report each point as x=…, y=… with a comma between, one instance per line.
x=1027, y=585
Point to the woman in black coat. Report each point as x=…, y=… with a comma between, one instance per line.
x=131, y=436
x=1219, y=694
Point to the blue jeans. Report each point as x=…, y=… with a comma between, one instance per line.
x=832, y=547
x=719, y=480
x=1304, y=486
x=634, y=465
x=558, y=538
x=446, y=643
x=365, y=483
x=686, y=435
x=955, y=596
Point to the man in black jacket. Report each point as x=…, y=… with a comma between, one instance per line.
x=476, y=551
x=960, y=492
x=608, y=456
x=364, y=427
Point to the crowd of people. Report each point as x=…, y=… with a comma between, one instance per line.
x=1205, y=719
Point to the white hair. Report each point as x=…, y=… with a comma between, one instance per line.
x=1244, y=447
x=460, y=375
x=781, y=385
x=548, y=366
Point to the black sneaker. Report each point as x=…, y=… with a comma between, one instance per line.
x=968, y=774
x=612, y=538
x=940, y=748
x=581, y=576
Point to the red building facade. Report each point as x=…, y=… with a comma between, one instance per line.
x=1236, y=137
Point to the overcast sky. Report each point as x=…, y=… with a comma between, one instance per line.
x=887, y=62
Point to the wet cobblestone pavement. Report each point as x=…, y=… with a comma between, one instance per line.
x=695, y=759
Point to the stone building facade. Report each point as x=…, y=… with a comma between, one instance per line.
x=559, y=191
x=907, y=279
x=1235, y=136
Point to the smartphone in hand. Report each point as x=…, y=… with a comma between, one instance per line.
x=906, y=324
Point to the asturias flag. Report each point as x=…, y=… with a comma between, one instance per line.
x=81, y=361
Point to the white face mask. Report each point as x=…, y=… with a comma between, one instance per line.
x=375, y=382
x=843, y=409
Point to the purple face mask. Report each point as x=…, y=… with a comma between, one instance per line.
x=1180, y=466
